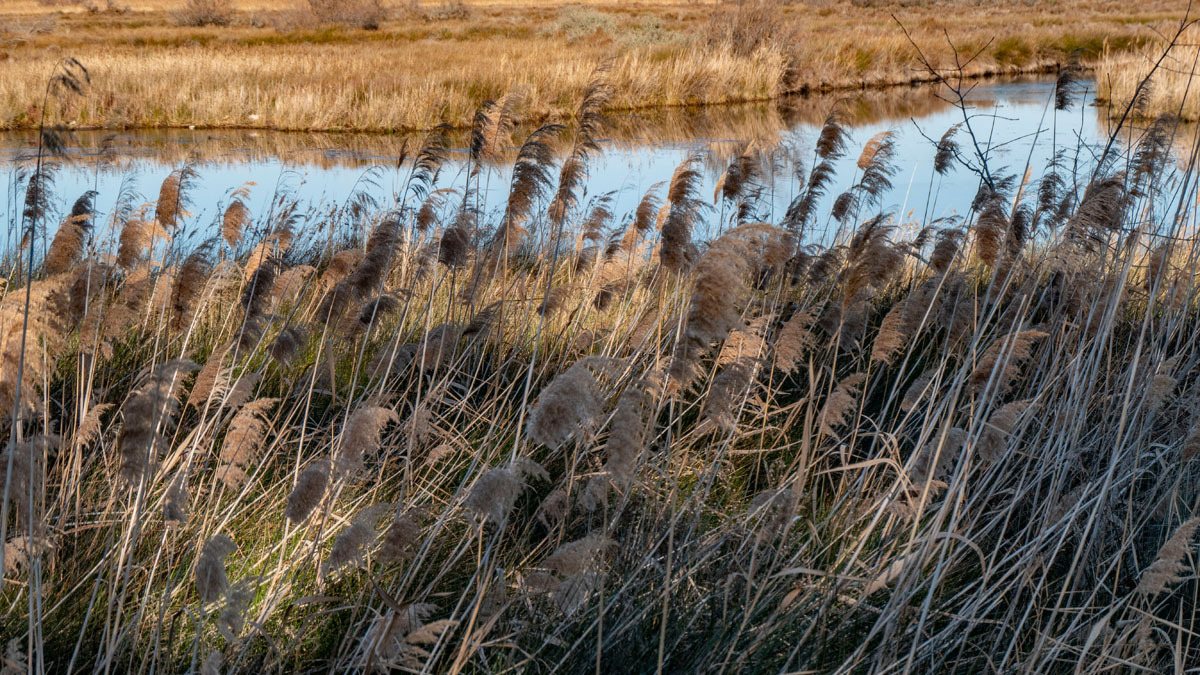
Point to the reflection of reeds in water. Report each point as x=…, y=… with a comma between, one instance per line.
x=536, y=435
x=734, y=122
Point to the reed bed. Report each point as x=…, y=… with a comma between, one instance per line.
x=445, y=435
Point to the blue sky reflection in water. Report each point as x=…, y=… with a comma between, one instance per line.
x=1014, y=118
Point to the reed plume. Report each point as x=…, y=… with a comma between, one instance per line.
x=351, y=544
x=175, y=501
x=1001, y=363
x=947, y=151
x=308, y=492
x=930, y=466
x=19, y=553
x=741, y=358
x=1065, y=85
x=428, y=216
x=841, y=403
x=1101, y=209
x=137, y=236
x=494, y=124
x=427, y=163
x=530, y=180
x=437, y=347
x=1168, y=567
x=872, y=259
x=210, y=380
x=396, y=640
x=287, y=344
x=495, y=492
x=1158, y=263
x=570, y=404
x=676, y=249
x=946, y=244
x=644, y=217
x=259, y=288
x=831, y=142
x=578, y=565
x=211, y=580
x=340, y=266
x=361, y=436
x=147, y=411
x=174, y=198
x=1159, y=387
x=893, y=333
x=994, y=439
x=189, y=284
x=373, y=311
x=793, y=340
x=739, y=176
x=39, y=193
x=89, y=290
x=27, y=460
x=256, y=295
x=712, y=311
x=454, y=249
x=44, y=325
x=367, y=276
x=291, y=283
x=89, y=429
x=627, y=436
x=1153, y=151
x=243, y=440
x=589, y=124
x=990, y=228
x=234, y=220
x=402, y=537
x=68, y=245
x=876, y=179
x=804, y=206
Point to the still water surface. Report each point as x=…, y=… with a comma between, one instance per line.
x=1014, y=121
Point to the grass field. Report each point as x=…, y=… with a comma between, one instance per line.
x=277, y=65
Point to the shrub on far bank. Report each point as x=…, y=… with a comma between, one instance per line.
x=443, y=11
x=577, y=23
x=204, y=13
x=365, y=14
x=744, y=26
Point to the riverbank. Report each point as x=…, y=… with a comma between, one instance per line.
x=275, y=69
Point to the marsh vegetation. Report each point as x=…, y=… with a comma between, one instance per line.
x=304, y=66
x=449, y=432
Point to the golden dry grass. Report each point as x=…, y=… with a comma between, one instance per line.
x=1171, y=88
x=273, y=68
